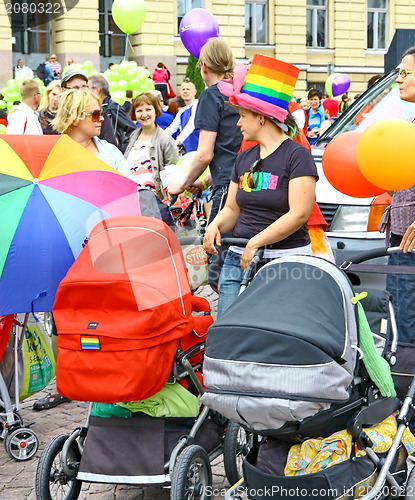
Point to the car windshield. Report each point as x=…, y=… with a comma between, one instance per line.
x=382, y=100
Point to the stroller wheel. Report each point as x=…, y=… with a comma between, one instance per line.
x=192, y=475
x=52, y=483
x=21, y=444
x=3, y=422
x=236, y=445
x=50, y=327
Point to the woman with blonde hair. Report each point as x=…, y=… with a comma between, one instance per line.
x=80, y=117
x=220, y=138
x=49, y=107
x=150, y=148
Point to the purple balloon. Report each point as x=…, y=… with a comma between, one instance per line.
x=340, y=84
x=195, y=29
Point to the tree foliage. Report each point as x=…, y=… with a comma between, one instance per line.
x=193, y=73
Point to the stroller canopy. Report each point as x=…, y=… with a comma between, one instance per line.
x=120, y=310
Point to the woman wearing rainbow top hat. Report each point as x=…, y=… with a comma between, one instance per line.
x=272, y=188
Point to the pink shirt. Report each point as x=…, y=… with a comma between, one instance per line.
x=160, y=75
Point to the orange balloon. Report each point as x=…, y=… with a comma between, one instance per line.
x=385, y=153
x=341, y=169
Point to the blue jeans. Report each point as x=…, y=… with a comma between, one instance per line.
x=402, y=289
x=230, y=280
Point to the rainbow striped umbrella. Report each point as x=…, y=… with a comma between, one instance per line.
x=52, y=192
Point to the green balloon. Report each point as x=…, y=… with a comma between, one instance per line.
x=118, y=96
x=3, y=104
x=114, y=86
x=129, y=15
x=134, y=83
x=88, y=65
x=150, y=84
x=123, y=85
x=3, y=129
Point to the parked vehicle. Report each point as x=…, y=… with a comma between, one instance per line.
x=353, y=222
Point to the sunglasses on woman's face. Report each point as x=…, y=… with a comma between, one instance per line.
x=95, y=115
x=250, y=180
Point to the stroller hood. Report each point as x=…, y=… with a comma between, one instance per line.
x=283, y=351
x=120, y=310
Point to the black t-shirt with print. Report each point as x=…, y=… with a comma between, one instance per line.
x=268, y=201
x=213, y=113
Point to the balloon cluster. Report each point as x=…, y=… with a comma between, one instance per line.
x=337, y=84
x=369, y=163
x=196, y=27
x=87, y=68
x=128, y=75
x=11, y=92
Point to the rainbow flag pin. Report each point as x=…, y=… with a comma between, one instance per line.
x=90, y=343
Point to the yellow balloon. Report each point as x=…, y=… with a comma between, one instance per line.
x=185, y=161
x=384, y=154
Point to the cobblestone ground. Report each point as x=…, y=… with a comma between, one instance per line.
x=17, y=479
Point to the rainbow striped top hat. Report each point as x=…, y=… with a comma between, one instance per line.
x=266, y=87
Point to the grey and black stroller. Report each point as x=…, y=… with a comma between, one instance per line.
x=293, y=359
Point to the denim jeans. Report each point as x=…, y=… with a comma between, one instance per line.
x=230, y=280
x=402, y=289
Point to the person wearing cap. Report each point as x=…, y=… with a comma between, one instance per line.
x=272, y=188
x=74, y=80
x=78, y=80
x=331, y=112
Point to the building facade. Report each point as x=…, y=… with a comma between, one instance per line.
x=318, y=36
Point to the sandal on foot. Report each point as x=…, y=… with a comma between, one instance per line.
x=50, y=401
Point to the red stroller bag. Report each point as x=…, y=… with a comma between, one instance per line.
x=120, y=312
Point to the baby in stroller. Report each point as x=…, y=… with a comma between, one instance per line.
x=131, y=338
x=294, y=361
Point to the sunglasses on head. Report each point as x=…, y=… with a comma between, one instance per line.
x=95, y=115
x=251, y=180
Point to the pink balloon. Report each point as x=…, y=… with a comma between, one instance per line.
x=196, y=27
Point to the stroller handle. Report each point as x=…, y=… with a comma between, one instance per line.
x=369, y=254
x=228, y=241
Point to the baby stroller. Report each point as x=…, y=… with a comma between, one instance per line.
x=126, y=333
x=20, y=442
x=293, y=360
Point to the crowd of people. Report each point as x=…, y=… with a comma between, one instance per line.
x=262, y=175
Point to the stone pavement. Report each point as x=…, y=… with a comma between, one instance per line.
x=17, y=479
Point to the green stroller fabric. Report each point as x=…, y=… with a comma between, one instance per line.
x=377, y=367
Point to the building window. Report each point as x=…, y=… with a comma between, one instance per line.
x=31, y=33
x=256, y=21
x=111, y=38
x=183, y=6
x=377, y=12
x=317, y=23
